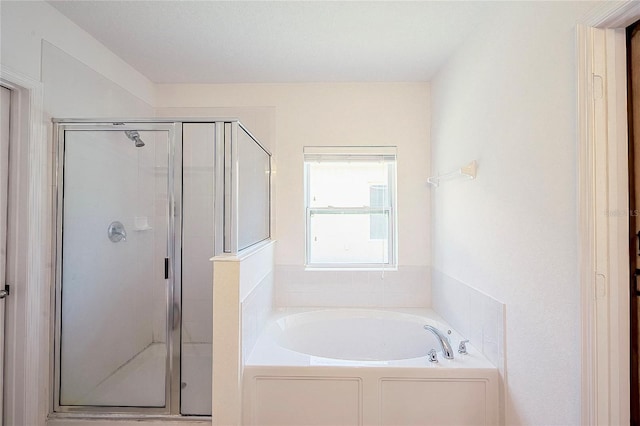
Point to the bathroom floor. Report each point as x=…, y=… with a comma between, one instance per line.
x=140, y=381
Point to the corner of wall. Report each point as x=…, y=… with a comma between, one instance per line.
x=242, y=301
x=477, y=316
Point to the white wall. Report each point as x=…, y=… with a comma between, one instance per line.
x=79, y=78
x=242, y=301
x=507, y=98
x=334, y=114
x=25, y=24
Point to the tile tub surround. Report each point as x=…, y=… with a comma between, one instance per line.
x=408, y=286
x=476, y=315
x=257, y=308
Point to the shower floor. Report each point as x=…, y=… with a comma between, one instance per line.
x=140, y=381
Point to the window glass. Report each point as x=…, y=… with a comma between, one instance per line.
x=254, y=176
x=350, y=203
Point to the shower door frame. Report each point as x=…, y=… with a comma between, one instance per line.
x=174, y=248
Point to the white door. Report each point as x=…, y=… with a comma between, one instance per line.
x=5, y=103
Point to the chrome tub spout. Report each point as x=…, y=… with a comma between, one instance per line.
x=444, y=341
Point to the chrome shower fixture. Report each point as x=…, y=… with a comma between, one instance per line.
x=134, y=136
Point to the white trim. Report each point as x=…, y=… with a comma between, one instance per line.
x=603, y=213
x=613, y=14
x=585, y=220
x=244, y=253
x=56, y=420
x=619, y=238
x=29, y=404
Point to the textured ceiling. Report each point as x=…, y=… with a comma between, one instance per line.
x=279, y=41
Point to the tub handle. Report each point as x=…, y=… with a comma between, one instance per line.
x=462, y=347
x=433, y=356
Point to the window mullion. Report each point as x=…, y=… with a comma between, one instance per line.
x=348, y=210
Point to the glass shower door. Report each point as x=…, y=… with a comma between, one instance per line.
x=197, y=272
x=115, y=300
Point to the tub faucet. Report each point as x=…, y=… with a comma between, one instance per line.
x=444, y=341
x=462, y=347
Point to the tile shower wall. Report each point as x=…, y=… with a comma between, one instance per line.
x=409, y=286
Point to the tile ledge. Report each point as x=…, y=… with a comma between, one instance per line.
x=243, y=254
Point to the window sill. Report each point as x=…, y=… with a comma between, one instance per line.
x=351, y=268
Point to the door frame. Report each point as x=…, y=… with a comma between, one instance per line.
x=631, y=32
x=27, y=309
x=603, y=213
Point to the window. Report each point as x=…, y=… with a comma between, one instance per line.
x=350, y=207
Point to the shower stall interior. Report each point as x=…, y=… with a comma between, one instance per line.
x=142, y=205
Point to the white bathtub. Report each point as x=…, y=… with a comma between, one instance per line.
x=355, y=334
x=364, y=367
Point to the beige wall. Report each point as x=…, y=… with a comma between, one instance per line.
x=333, y=114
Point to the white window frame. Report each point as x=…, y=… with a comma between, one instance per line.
x=375, y=153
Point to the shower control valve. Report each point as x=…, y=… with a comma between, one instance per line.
x=433, y=355
x=462, y=347
x=116, y=232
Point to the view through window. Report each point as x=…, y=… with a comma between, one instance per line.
x=350, y=206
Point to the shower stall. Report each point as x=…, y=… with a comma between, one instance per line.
x=142, y=206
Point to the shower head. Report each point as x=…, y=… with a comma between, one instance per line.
x=135, y=137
